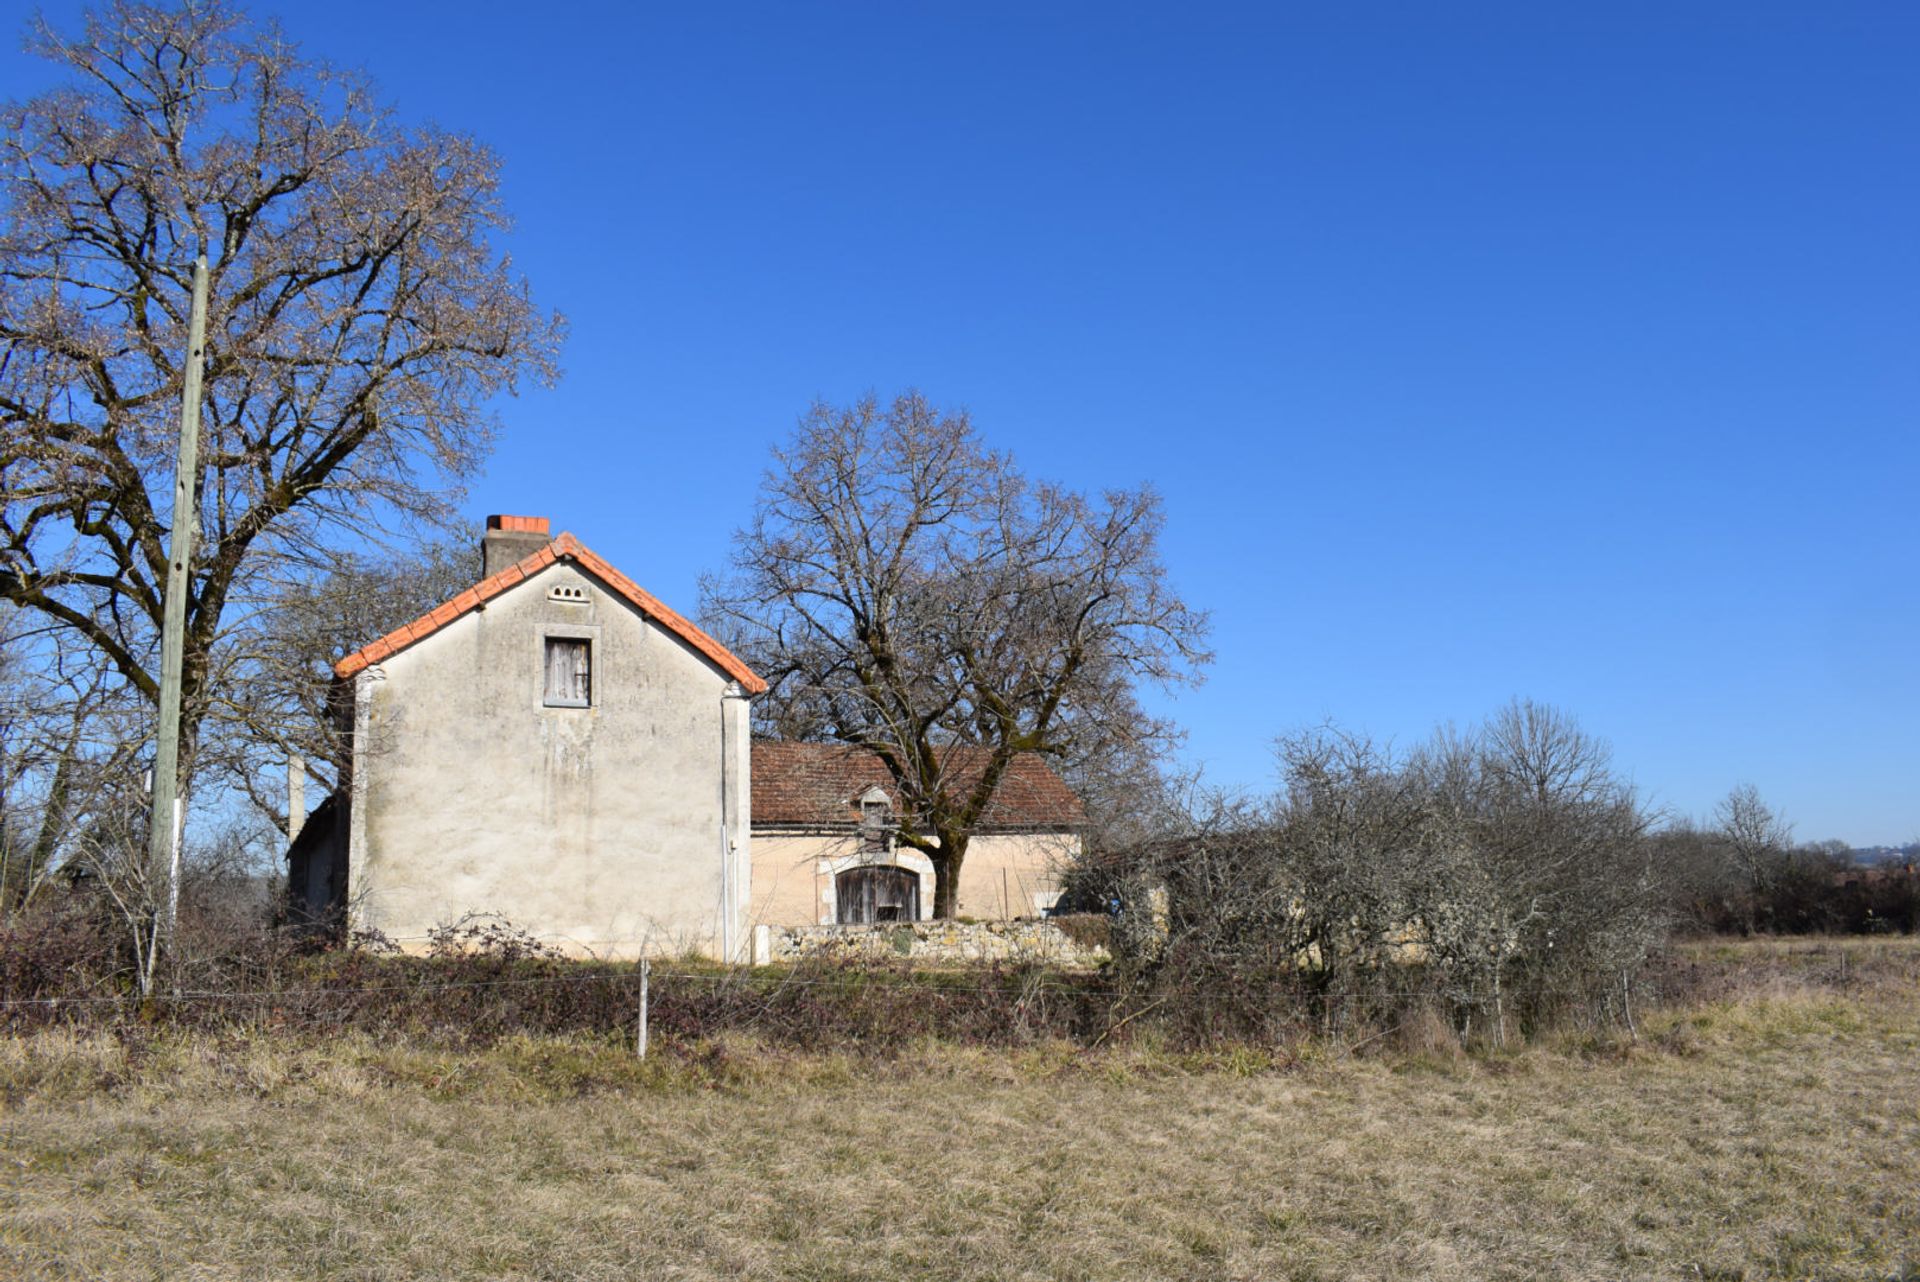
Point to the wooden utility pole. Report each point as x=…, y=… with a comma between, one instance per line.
x=163, y=835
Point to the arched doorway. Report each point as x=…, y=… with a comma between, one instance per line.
x=876, y=892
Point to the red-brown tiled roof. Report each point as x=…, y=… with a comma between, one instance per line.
x=816, y=784
x=566, y=548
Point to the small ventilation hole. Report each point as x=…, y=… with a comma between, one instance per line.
x=568, y=593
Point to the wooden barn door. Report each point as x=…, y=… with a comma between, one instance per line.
x=877, y=893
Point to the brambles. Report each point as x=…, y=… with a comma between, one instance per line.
x=488, y=936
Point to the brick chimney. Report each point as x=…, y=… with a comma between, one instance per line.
x=509, y=539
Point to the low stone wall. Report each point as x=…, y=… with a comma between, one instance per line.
x=1079, y=944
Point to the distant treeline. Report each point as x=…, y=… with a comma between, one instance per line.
x=1783, y=889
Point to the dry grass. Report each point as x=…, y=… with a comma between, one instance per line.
x=1770, y=1136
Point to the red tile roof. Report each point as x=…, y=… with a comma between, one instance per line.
x=564, y=548
x=819, y=784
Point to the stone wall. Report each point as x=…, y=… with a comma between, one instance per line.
x=1079, y=944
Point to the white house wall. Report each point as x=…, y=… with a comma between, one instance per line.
x=602, y=829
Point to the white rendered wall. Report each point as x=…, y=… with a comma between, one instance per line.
x=603, y=830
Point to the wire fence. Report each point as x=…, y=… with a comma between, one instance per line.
x=939, y=982
x=477, y=999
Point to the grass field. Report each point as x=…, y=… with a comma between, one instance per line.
x=1776, y=1134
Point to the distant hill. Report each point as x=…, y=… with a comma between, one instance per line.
x=1876, y=856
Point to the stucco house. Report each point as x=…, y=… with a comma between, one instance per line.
x=554, y=745
x=824, y=852
x=557, y=746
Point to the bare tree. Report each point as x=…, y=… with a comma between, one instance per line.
x=1756, y=838
x=906, y=590
x=360, y=322
x=280, y=658
x=76, y=805
x=1555, y=892
x=65, y=722
x=1706, y=891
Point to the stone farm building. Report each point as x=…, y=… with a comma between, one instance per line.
x=556, y=746
x=824, y=849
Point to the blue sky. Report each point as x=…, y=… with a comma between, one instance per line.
x=1478, y=351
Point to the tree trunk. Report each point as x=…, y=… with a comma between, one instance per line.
x=53, y=816
x=53, y=820
x=946, y=874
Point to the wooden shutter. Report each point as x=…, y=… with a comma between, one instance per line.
x=877, y=893
x=569, y=681
x=876, y=827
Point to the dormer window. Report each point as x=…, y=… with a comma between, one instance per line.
x=569, y=681
x=876, y=825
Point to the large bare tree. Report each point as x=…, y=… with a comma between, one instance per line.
x=361, y=320
x=908, y=591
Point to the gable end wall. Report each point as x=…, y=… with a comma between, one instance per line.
x=603, y=830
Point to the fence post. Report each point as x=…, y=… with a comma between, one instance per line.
x=640, y=1041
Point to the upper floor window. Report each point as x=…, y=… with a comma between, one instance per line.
x=569, y=672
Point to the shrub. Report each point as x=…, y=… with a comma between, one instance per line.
x=64, y=946
x=1502, y=876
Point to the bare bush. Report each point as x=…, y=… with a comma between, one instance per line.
x=1501, y=876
